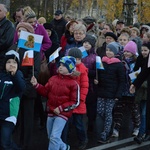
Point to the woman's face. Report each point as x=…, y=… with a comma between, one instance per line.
x=106, y=29
x=71, y=28
x=79, y=35
x=145, y=51
x=109, y=39
x=145, y=38
x=32, y=21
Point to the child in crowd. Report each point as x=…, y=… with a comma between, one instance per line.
x=12, y=85
x=123, y=39
x=90, y=62
x=62, y=92
x=141, y=94
x=135, y=33
x=129, y=59
x=110, y=86
x=26, y=113
x=79, y=112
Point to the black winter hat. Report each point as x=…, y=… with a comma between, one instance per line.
x=75, y=52
x=146, y=45
x=111, y=34
x=12, y=54
x=91, y=39
x=48, y=26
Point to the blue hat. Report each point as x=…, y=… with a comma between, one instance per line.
x=69, y=62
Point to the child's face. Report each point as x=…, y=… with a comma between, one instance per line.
x=11, y=65
x=87, y=45
x=145, y=38
x=133, y=33
x=19, y=30
x=123, y=40
x=109, y=53
x=62, y=69
x=127, y=54
x=49, y=32
x=145, y=51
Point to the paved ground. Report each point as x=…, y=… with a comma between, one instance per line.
x=124, y=142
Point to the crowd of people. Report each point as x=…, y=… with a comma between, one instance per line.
x=73, y=86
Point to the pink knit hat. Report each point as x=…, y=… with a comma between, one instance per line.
x=131, y=47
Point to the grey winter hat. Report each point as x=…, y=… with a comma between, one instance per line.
x=113, y=47
x=75, y=52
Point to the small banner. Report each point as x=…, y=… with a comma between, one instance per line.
x=30, y=41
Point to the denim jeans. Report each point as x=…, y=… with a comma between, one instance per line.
x=80, y=128
x=55, y=125
x=77, y=121
x=6, y=129
x=142, y=129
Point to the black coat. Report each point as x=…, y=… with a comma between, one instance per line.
x=111, y=80
x=59, y=26
x=28, y=71
x=7, y=31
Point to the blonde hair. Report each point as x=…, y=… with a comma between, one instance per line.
x=28, y=13
x=124, y=34
x=41, y=20
x=80, y=27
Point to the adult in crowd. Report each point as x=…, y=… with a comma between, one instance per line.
x=79, y=34
x=119, y=26
x=18, y=16
x=30, y=17
x=109, y=37
x=101, y=34
x=53, y=37
x=68, y=37
x=59, y=23
x=142, y=76
x=6, y=33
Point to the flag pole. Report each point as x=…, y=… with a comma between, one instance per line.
x=96, y=74
x=33, y=70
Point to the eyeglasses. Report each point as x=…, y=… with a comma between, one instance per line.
x=78, y=33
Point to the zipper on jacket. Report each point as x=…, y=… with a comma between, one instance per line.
x=3, y=91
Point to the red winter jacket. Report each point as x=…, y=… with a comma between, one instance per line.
x=62, y=91
x=83, y=82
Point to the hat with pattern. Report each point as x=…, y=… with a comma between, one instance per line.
x=69, y=62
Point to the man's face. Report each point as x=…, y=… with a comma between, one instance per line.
x=3, y=12
x=19, y=16
x=58, y=17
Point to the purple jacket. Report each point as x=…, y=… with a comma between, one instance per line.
x=90, y=63
x=40, y=30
